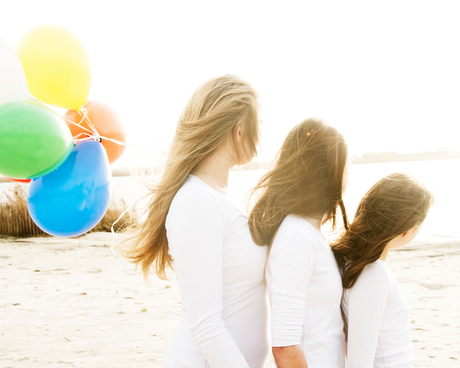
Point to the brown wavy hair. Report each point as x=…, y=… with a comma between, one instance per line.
x=394, y=205
x=211, y=116
x=307, y=179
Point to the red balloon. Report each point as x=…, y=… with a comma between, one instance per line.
x=19, y=180
x=105, y=121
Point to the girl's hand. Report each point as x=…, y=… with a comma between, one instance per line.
x=289, y=357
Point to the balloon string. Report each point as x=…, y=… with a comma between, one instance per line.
x=94, y=133
x=76, y=136
x=78, y=125
x=112, y=230
x=88, y=138
x=125, y=144
x=83, y=113
x=82, y=110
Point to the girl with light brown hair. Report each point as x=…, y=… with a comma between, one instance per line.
x=389, y=216
x=298, y=195
x=193, y=227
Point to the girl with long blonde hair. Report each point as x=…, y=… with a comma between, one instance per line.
x=299, y=194
x=389, y=216
x=194, y=228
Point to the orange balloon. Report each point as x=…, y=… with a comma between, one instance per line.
x=105, y=121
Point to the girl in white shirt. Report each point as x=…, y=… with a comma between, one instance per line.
x=388, y=216
x=193, y=227
x=300, y=193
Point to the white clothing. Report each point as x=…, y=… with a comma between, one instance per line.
x=378, y=321
x=220, y=272
x=305, y=290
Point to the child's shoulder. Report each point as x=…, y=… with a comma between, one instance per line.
x=375, y=275
x=296, y=225
x=297, y=235
x=378, y=266
x=196, y=196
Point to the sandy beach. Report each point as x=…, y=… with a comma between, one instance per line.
x=73, y=303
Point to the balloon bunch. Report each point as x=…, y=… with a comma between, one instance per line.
x=66, y=159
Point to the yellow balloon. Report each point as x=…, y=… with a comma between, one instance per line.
x=56, y=66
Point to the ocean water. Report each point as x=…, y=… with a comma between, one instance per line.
x=440, y=176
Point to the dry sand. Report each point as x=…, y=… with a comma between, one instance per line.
x=73, y=303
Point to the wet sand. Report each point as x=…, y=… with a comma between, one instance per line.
x=73, y=303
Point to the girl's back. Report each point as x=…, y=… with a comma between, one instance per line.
x=305, y=294
x=379, y=329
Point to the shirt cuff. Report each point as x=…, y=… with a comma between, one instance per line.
x=278, y=343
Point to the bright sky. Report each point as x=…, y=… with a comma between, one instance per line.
x=384, y=73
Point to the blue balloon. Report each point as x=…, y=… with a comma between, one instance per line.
x=72, y=199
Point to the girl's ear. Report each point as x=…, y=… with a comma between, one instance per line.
x=239, y=132
x=415, y=229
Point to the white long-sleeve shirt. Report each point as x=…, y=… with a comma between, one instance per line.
x=220, y=272
x=305, y=290
x=378, y=321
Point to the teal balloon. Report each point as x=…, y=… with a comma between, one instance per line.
x=72, y=199
x=34, y=140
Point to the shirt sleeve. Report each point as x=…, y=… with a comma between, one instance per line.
x=366, y=304
x=196, y=233
x=290, y=265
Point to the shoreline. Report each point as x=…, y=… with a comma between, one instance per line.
x=368, y=158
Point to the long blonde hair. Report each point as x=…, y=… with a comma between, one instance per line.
x=211, y=115
x=307, y=180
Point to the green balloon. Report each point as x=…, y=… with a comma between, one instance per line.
x=34, y=140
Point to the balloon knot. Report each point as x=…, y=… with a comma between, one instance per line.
x=82, y=109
